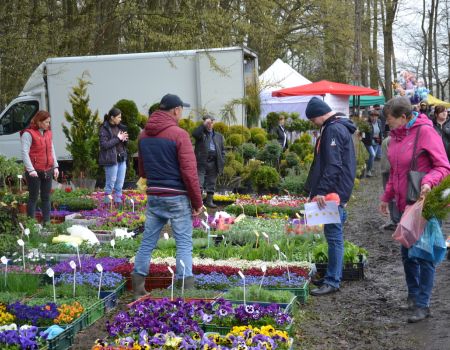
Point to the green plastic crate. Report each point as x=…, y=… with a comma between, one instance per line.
x=302, y=293
x=61, y=342
x=95, y=312
x=212, y=328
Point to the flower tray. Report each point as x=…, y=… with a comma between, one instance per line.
x=152, y=283
x=104, y=236
x=61, y=342
x=77, y=219
x=302, y=293
x=224, y=330
x=95, y=312
x=110, y=297
x=286, y=306
x=350, y=272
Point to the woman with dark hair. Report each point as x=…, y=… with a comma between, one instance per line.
x=373, y=140
x=39, y=159
x=113, y=154
x=441, y=123
x=412, y=135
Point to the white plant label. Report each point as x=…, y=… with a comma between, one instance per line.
x=4, y=260
x=205, y=225
x=113, y=243
x=166, y=236
x=256, y=233
x=99, y=267
x=241, y=274
x=182, y=263
x=264, y=268
x=19, y=177
x=73, y=265
x=170, y=270
x=20, y=242
x=21, y=226
x=277, y=248
x=50, y=272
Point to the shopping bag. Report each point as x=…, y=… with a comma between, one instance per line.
x=431, y=245
x=411, y=225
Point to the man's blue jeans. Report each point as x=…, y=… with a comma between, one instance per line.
x=115, y=176
x=335, y=238
x=419, y=274
x=160, y=210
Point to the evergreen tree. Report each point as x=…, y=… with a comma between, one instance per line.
x=82, y=134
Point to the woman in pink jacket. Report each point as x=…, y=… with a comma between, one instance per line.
x=404, y=125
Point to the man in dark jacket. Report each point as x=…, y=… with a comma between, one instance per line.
x=333, y=171
x=167, y=161
x=210, y=154
x=280, y=133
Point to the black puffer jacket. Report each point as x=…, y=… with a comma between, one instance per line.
x=200, y=135
x=444, y=131
x=108, y=144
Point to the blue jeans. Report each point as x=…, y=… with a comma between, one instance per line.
x=115, y=176
x=335, y=238
x=419, y=274
x=374, y=151
x=160, y=209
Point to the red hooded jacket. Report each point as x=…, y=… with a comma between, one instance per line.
x=167, y=160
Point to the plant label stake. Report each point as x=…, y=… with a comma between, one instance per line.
x=132, y=204
x=243, y=279
x=205, y=213
x=309, y=256
x=184, y=273
x=27, y=233
x=78, y=255
x=20, y=182
x=111, y=201
x=166, y=236
x=113, y=243
x=50, y=273
x=21, y=226
x=277, y=248
x=21, y=243
x=173, y=281
x=266, y=236
x=257, y=238
x=74, y=268
x=208, y=230
x=287, y=266
x=4, y=261
x=263, y=269
x=99, y=269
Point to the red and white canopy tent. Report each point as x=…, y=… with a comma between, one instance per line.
x=335, y=94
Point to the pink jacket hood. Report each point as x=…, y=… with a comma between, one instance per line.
x=432, y=159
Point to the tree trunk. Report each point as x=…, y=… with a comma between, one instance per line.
x=435, y=50
x=390, y=10
x=366, y=27
x=357, y=53
x=425, y=43
x=430, y=47
x=374, y=78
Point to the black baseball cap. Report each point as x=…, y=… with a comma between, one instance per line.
x=170, y=101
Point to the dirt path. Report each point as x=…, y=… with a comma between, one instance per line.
x=365, y=314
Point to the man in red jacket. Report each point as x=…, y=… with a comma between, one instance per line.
x=167, y=161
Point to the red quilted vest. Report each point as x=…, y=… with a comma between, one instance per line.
x=41, y=149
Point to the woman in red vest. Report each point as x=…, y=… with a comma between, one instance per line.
x=38, y=155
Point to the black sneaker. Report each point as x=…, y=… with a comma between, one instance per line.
x=420, y=313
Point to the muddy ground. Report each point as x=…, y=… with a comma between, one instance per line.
x=363, y=314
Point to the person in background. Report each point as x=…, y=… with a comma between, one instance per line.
x=39, y=159
x=382, y=118
x=333, y=171
x=113, y=139
x=432, y=160
x=424, y=108
x=167, y=160
x=385, y=170
x=210, y=154
x=280, y=133
x=441, y=123
x=373, y=141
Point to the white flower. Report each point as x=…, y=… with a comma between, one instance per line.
x=445, y=193
x=9, y=327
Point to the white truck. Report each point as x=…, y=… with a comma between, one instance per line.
x=207, y=79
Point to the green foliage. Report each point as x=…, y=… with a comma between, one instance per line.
x=221, y=128
x=153, y=108
x=250, y=170
x=21, y=283
x=249, y=151
x=271, y=153
x=9, y=169
x=253, y=293
x=142, y=120
x=235, y=140
x=186, y=124
x=260, y=209
x=124, y=248
x=266, y=178
x=82, y=133
x=301, y=125
x=292, y=159
x=188, y=293
x=240, y=130
x=362, y=125
x=259, y=139
x=437, y=201
x=252, y=103
x=254, y=131
x=294, y=184
x=351, y=253
x=272, y=120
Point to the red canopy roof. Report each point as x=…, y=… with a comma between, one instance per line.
x=325, y=87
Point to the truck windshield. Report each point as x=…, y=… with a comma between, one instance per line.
x=18, y=116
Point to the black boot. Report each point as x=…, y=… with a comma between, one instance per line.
x=409, y=305
x=138, y=282
x=420, y=313
x=209, y=201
